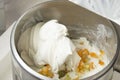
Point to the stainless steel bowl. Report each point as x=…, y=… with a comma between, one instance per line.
x=79, y=21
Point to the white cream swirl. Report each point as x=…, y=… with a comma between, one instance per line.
x=48, y=44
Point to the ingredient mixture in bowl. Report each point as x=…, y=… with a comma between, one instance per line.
x=47, y=48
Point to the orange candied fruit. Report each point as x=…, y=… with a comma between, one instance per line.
x=101, y=62
x=46, y=70
x=80, y=66
x=94, y=55
x=91, y=65
x=83, y=52
x=85, y=64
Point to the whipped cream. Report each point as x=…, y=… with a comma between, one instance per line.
x=49, y=44
x=54, y=46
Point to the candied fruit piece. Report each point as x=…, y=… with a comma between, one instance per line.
x=94, y=55
x=46, y=71
x=101, y=62
x=83, y=53
x=80, y=66
x=91, y=66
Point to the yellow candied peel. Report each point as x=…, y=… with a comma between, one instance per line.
x=46, y=71
x=83, y=54
x=94, y=55
x=91, y=66
x=101, y=62
x=85, y=63
x=80, y=66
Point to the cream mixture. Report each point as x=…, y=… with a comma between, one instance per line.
x=47, y=45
